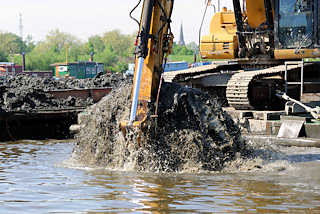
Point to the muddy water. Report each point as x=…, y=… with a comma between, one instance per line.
x=36, y=178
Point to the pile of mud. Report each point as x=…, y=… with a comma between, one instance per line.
x=192, y=133
x=47, y=84
x=28, y=93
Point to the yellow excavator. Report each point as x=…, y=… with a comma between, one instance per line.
x=255, y=40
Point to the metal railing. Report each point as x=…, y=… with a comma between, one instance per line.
x=302, y=82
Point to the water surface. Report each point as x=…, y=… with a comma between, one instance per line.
x=34, y=179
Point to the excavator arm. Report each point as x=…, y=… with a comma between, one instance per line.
x=154, y=43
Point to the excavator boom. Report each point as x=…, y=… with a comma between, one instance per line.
x=154, y=41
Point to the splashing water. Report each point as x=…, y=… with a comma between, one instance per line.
x=192, y=133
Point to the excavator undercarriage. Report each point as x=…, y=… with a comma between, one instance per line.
x=245, y=84
x=252, y=85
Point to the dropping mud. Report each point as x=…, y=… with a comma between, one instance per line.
x=193, y=133
x=28, y=93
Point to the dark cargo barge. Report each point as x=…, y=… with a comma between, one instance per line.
x=47, y=123
x=37, y=125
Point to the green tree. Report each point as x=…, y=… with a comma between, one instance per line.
x=3, y=56
x=181, y=50
x=95, y=44
x=113, y=48
x=55, y=48
x=121, y=44
x=29, y=44
x=10, y=44
x=193, y=46
x=58, y=41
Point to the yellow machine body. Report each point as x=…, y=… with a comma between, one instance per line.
x=296, y=54
x=222, y=42
x=255, y=12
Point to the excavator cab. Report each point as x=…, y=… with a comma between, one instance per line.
x=297, y=29
x=274, y=29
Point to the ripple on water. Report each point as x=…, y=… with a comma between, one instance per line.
x=35, y=178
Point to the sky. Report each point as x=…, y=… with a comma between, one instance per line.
x=84, y=18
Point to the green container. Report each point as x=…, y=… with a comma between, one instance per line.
x=83, y=70
x=76, y=71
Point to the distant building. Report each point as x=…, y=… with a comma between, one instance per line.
x=181, y=39
x=9, y=68
x=12, y=69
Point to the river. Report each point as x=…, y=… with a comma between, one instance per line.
x=36, y=178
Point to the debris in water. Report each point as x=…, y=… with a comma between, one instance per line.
x=193, y=133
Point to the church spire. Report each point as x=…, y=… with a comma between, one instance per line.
x=181, y=40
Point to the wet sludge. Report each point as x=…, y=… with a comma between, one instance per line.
x=192, y=133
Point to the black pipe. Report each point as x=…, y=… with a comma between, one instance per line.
x=239, y=22
x=269, y=14
x=270, y=21
x=23, y=61
x=91, y=56
x=142, y=49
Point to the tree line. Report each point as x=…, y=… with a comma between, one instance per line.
x=112, y=48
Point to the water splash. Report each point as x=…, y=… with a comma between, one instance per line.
x=193, y=134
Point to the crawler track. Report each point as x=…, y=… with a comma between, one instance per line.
x=238, y=87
